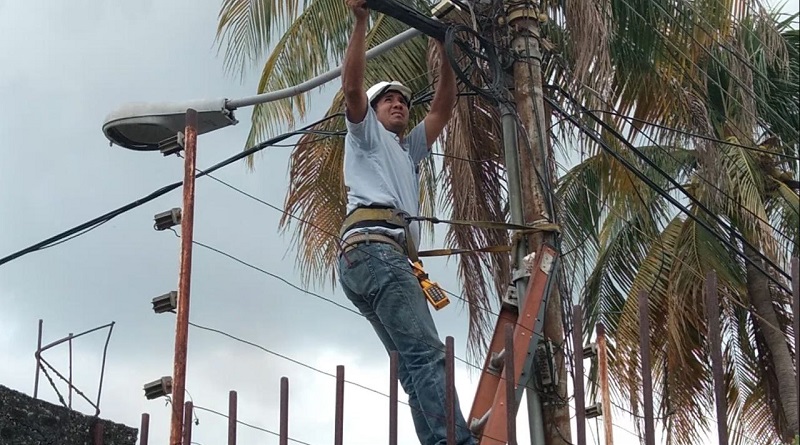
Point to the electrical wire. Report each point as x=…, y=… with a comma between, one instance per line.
x=722, y=192
x=337, y=238
x=676, y=130
x=251, y=426
x=676, y=259
x=695, y=135
x=701, y=177
x=663, y=127
x=667, y=196
x=708, y=76
x=494, y=89
x=736, y=54
x=307, y=366
x=96, y=222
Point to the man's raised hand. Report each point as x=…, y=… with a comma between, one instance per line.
x=359, y=8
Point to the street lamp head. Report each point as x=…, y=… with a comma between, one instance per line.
x=141, y=126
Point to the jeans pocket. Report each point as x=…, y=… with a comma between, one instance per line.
x=354, y=271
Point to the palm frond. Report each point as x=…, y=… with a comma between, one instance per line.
x=784, y=209
x=591, y=28
x=473, y=189
x=246, y=28
x=313, y=44
x=316, y=194
x=742, y=188
x=316, y=188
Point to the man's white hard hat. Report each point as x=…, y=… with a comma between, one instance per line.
x=382, y=87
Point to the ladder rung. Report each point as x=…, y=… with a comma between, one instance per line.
x=476, y=425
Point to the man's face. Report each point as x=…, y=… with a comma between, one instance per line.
x=392, y=111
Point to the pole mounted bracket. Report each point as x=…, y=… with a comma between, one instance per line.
x=510, y=299
x=172, y=145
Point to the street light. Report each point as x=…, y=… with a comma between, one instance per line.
x=142, y=126
x=167, y=127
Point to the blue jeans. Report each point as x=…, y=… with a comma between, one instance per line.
x=379, y=281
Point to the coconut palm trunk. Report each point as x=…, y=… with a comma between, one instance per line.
x=767, y=319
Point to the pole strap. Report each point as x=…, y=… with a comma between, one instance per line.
x=538, y=226
x=448, y=252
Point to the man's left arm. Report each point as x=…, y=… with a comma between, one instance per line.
x=444, y=99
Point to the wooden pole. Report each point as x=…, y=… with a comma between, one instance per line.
x=605, y=395
x=184, y=279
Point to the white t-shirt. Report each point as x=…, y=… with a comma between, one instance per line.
x=379, y=170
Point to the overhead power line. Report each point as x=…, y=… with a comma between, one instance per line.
x=96, y=222
x=666, y=194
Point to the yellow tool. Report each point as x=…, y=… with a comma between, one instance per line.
x=431, y=289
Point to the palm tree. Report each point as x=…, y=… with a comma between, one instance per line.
x=635, y=241
x=314, y=42
x=721, y=70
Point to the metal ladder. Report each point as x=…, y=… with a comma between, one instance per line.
x=489, y=416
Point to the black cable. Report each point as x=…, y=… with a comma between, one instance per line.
x=738, y=56
x=313, y=294
x=708, y=53
x=495, y=89
x=257, y=428
x=665, y=194
x=722, y=192
x=676, y=185
x=92, y=224
x=703, y=178
x=96, y=222
x=676, y=130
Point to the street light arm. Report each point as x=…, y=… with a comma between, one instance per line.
x=322, y=78
x=146, y=126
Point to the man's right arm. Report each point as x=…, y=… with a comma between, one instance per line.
x=355, y=62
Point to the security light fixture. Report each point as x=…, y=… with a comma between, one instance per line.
x=143, y=126
x=165, y=303
x=172, y=145
x=593, y=411
x=158, y=388
x=165, y=220
x=590, y=351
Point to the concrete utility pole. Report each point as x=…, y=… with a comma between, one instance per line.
x=536, y=184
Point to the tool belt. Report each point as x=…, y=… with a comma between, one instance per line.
x=375, y=216
x=392, y=218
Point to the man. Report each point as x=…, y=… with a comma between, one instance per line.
x=381, y=172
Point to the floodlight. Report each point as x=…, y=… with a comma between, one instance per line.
x=165, y=303
x=143, y=126
x=158, y=388
x=590, y=350
x=593, y=411
x=172, y=145
x=165, y=220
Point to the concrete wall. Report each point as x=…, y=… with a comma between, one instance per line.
x=25, y=421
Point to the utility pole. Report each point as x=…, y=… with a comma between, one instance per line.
x=535, y=174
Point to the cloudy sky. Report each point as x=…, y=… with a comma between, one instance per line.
x=64, y=67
